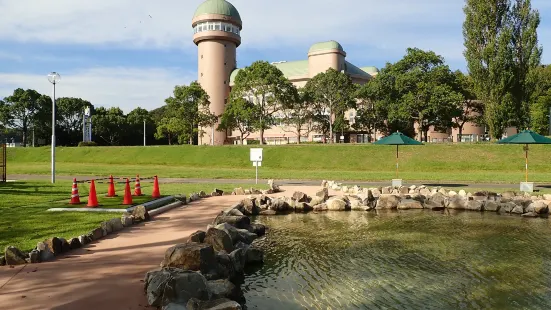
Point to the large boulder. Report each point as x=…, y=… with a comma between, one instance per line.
x=475, y=205
x=217, y=304
x=55, y=245
x=14, y=256
x=173, y=285
x=140, y=214
x=258, y=229
x=46, y=253
x=237, y=258
x=303, y=207
x=223, y=288
x=219, y=239
x=242, y=222
x=492, y=206
x=279, y=204
x=323, y=194
x=253, y=255
x=273, y=186
x=230, y=230
x=506, y=207
x=321, y=207
x=436, y=202
x=190, y=256
x=316, y=201
x=388, y=201
x=300, y=197
x=409, y=204
x=336, y=204
x=198, y=236
x=238, y=191
x=538, y=207
x=245, y=236
x=250, y=207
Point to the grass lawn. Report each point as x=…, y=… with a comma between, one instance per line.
x=490, y=163
x=24, y=220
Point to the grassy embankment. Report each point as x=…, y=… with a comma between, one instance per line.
x=24, y=220
x=490, y=163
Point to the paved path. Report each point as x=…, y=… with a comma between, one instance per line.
x=298, y=182
x=108, y=274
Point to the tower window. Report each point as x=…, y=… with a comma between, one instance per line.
x=224, y=64
x=201, y=56
x=224, y=82
x=201, y=74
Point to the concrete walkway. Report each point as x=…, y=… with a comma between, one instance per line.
x=297, y=182
x=109, y=273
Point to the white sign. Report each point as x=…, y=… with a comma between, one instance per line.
x=256, y=155
x=257, y=164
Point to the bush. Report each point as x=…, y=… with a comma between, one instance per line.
x=90, y=143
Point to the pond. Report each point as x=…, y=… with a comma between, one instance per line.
x=402, y=260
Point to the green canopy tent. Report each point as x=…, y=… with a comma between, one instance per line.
x=526, y=137
x=397, y=139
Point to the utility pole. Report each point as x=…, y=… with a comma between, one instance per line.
x=550, y=121
x=144, y=133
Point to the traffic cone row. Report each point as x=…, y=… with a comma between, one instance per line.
x=127, y=200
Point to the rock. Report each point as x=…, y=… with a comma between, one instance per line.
x=268, y=212
x=46, y=253
x=387, y=201
x=194, y=196
x=245, y=236
x=507, y=207
x=336, y=204
x=316, y=201
x=300, y=197
x=491, y=206
x=233, y=212
x=241, y=222
x=223, y=288
x=517, y=210
x=203, y=194
x=258, y=229
x=539, y=207
x=237, y=258
x=65, y=247
x=321, y=207
x=83, y=239
x=56, y=245
x=425, y=192
x=174, y=306
x=127, y=220
x=403, y=190
x=462, y=193
x=273, y=186
x=457, y=203
x=253, y=255
x=2, y=261
x=190, y=256
x=34, y=257
x=408, y=204
x=230, y=230
x=323, y=194
x=303, y=207
x=107, y=227
x=198, y=236
x=324, y=184
x=140, y=214
x=219, y=240
x=238, y=191
x=546, y=196
x=267, y=191
x=508, y=195
x=452, y=194
x=217, y=304
x=95, y=234
x=530, y=214
x=255, y=191
x=475, y=205
x=173, y=285
x=116, y=224
x=250, y=207
x=279, y=204
x=436, y=202
x=14, y=256
x=356, y=204
x=386, y=190
x=74, y=243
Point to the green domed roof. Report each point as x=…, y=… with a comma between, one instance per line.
x=323, y=46
x=221, y=7
x=370, y=69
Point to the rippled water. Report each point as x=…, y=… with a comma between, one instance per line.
x=406, y=260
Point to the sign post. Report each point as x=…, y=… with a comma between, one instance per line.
x=256, y=158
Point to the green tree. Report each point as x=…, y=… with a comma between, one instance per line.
x=5, y=116
x=29, y=109
x=169, y=127
x=540, y=99
x=188, y=105
x=109, y=125
x=333, y=93
x=69, y=116
x=370, y=113
x=469, y=109
x=264, y=85
x=298, y=116
x=136, y=119
x=239, y=115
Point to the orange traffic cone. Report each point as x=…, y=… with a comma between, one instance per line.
x=156, y=193
x=127, y=196
x=75, y=198
x=92, y=197
x=111, y=188
x=137, y=187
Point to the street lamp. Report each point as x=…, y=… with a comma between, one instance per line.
x=54, y=78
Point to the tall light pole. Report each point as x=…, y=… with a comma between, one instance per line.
x=144, y=133
x=54, y=78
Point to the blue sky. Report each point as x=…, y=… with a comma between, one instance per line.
x=112, y=53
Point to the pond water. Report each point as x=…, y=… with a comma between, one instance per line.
x=405, y=260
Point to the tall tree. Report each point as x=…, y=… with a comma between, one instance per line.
x=28, y=108
x=370, y=113
x=136, y=119
x=333, y=93
x=298, y=116
x=540, y=99
x=109, y=125
x=526, y=56
x=240, y=114
x=170, y=128
x=70, y=113
x=264, y=85
x=5, y=116
x=188, y=104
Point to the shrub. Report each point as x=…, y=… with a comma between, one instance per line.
x=87, y=143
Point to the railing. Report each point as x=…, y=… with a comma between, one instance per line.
x=3, y=163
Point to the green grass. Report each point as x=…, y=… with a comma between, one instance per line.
x=24, y=220
x=490, y=163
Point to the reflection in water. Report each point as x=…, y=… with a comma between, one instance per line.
x=406, y=260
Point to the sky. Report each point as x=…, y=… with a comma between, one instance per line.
x=131, y=53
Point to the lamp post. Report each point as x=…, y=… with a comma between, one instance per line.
x=54, y=78
x=144, y=133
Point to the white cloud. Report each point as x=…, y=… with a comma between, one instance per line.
x=126, y=88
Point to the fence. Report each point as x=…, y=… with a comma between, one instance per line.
x=3, y=163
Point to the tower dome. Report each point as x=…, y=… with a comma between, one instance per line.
x=324, y=46
x=218, y=7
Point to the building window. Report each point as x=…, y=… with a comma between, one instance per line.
x=217, y=27
x=201, y=74
x=224, y=82
x=201, y=56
